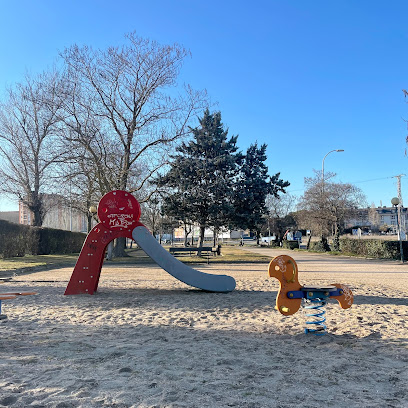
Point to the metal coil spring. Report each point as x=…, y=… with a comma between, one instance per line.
x=316, y=311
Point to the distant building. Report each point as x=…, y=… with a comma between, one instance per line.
x=59, y=215
x=65, y=218
x=376, y=217
x=10, y=216
x=25, y=215
x=389, y=216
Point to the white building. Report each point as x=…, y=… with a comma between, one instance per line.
x=376, y=217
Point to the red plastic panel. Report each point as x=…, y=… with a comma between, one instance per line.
x=118, y=210
x=85, y=277
x=119, y=214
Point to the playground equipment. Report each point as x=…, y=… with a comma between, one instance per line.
x=291, y=293
x=12, y=295
x=119, y=214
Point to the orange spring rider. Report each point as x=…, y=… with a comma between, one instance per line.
x=292, y=293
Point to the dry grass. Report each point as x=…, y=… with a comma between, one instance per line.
x=230, y=254
x=36, y=261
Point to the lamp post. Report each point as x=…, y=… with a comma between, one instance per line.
x=323, y=200
x=331, y=151
x=395, y=202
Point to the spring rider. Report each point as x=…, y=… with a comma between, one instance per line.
x=291, y=293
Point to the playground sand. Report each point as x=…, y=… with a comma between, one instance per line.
x=147, y=340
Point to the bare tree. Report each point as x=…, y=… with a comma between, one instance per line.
x=123, y=106
x=151, y=215
x=29, y=142
x=324, y=210
x=374, y=218
x=118, y=108
x=279, y=218
x=79, y=188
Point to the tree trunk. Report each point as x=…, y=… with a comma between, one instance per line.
x=120, y=245
x=325, y=244
x=109, y=253
x=186, y=233
x=89, y=222
x=35, y=205
x=336, y=239
x=201, y=239
x=37, y=216
x=215, y=237
x=258, y=237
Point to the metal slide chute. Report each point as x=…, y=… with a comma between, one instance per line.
x=182, y=272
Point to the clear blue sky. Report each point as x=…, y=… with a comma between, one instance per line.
x=305, y=77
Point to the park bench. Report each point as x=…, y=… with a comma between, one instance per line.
x=193, y=250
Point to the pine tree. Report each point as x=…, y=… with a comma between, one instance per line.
x=253, y=187
x=202, y=176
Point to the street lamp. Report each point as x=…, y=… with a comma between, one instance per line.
x=395, y=202
x=323, y=199
x=331, y=151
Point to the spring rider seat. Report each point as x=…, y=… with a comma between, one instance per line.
x=291, y=293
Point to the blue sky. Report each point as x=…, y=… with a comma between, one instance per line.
x=304, y=76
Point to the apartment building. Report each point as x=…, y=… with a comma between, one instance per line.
x=59, y=215
x=376, y=217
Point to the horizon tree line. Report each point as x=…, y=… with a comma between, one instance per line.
x=104, y=119
x=116, y=118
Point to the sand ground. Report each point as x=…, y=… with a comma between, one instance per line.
x=148, y=340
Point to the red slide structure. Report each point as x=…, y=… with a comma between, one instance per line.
x=119, y=214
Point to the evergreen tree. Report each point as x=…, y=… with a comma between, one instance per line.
x=253, y=187
x=202, y=176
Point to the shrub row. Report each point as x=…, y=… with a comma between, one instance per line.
x=318, y=246
x=290, y=244
x=18, y=240
x=374, y=248
x=13, y=239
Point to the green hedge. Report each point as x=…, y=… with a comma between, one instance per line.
x=290, y=244
x=13, y=239
x=318, y=246
x=374, y=248
x=18, y=240
x=45, y=241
